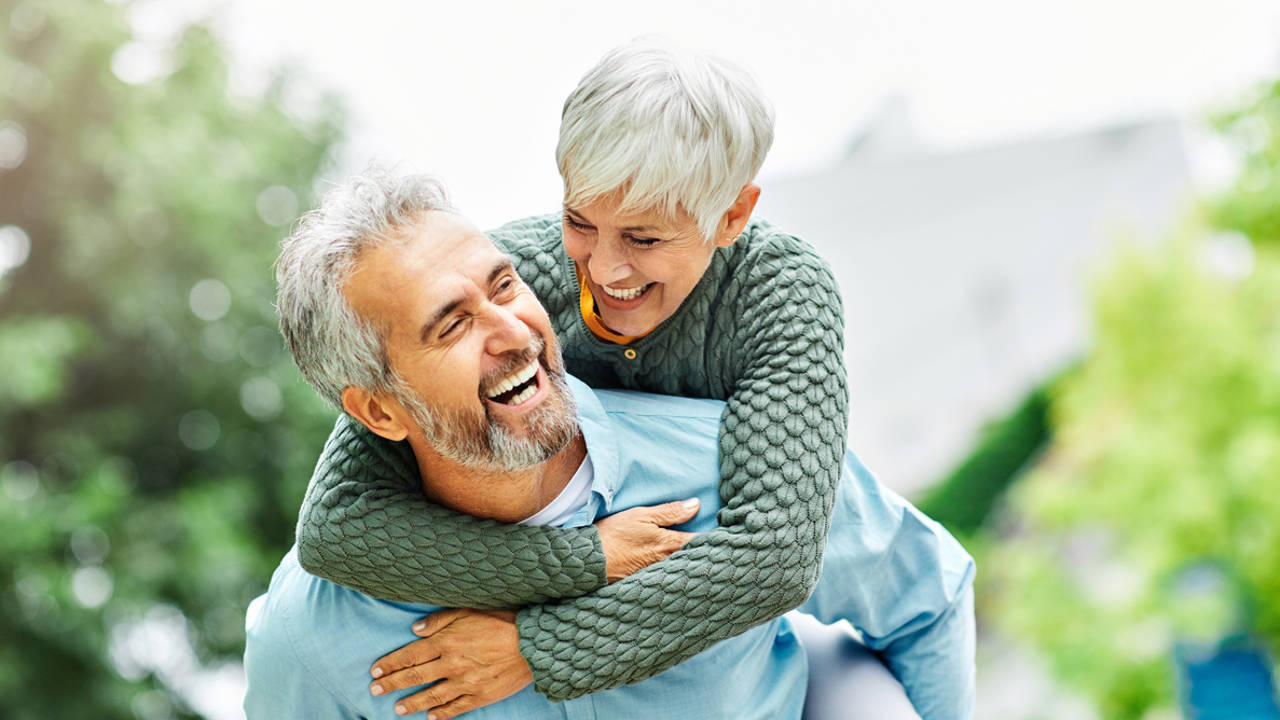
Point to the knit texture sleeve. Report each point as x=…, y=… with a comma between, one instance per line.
x=365, y=524
x=782, y=437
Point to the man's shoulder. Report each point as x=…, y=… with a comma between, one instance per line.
x=630, y=403
x=309, y=643
x=268, y=629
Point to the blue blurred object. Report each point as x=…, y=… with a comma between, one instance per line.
x=1229, y=680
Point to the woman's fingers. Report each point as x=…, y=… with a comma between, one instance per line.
x=437, y=621
x=418, y=652
x=636, y=538
x=672, y=513
x=455, y=707
x=411, y=676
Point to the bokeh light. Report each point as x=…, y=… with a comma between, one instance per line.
x=277, y=206
x=13, y=145
x=210, y=299
x=199, y=430
x=15, y=247
x=92, y=586
x=261, y=398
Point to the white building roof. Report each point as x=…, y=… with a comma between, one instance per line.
x=965, y=274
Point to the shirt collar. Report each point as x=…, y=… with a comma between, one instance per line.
x=598, y=434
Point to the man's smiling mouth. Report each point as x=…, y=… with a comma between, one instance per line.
x=517, y=387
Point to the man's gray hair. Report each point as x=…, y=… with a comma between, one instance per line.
x=333, y=346
x=673, y=130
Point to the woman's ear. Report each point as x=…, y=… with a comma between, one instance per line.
x=378, y=412
x=735, y=219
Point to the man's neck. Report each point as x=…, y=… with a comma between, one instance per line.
x=506, y=496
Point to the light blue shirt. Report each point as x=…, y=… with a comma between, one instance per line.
x=898, y=577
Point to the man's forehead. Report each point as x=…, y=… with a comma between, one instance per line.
x=441, y=252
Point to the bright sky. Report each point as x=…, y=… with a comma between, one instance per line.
x=471, y=91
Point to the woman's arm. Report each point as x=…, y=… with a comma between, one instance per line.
x=365, y=524
x=782, y=438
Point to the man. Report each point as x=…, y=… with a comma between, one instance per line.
x=470, y=377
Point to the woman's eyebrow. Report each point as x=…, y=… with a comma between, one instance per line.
x=632, y=229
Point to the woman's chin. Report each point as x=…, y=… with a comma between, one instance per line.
x=631, y=323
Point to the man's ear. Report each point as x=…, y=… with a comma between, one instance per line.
x=736, y=217
x=376, y=412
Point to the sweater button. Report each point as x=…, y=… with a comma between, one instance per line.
x=629, y=353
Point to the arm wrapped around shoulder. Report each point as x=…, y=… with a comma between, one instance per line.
x=365, y=524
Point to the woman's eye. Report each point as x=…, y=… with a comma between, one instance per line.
x=575, y=224
x=643, y=242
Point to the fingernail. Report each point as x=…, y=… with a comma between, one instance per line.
x=376, y=689
x=400, y=710
x=377, y=672
x=691, y=503
x=431, y=716
x=419, y=626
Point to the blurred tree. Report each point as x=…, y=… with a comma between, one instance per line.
x=1155, y=514
x=155, y=439
x=1252, y=206
x=965, y=498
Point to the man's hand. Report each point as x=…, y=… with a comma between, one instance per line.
x=637, y=538
x=472, y=656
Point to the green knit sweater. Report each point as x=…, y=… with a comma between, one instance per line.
x=763, y=330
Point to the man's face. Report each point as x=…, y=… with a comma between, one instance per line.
x=482, y=375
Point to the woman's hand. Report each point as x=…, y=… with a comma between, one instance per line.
x=637, y=538
x=472, y=656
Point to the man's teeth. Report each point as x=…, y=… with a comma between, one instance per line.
x=628, y=294
x=517, y=378
x=528, y=393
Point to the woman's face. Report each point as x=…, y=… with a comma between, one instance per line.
x=641, y=266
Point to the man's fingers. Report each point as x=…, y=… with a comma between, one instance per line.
x=674, y=513
x=417, y=652
x=434, y=696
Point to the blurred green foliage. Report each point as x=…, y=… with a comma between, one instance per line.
x=1154, y=515
x=965, y=498
x=155, y=439
x=1251, y=206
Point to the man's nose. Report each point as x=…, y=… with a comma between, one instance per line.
x=507, y=331
x=609, y=262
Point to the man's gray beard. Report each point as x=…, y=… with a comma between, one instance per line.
x=477, y=440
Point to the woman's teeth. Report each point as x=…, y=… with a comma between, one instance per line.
x=627, y=294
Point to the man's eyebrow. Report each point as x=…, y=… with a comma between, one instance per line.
x=437, y=317
x=501, y=266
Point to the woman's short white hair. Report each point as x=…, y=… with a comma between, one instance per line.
x=333, y=346
x=672, y=130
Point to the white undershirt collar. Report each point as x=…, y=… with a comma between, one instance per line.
x=572, y=498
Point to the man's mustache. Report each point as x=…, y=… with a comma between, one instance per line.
x=512, y=361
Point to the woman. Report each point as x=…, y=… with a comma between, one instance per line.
x=656, y=278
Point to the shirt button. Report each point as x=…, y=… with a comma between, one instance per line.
x=629, y=353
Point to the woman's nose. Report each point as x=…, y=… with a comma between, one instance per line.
x=608, y=264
